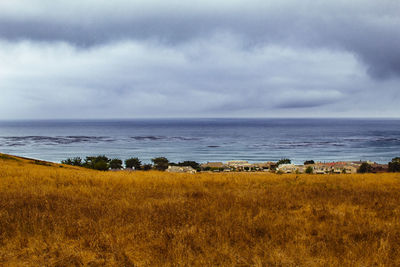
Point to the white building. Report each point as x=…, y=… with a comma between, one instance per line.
x=181, y=169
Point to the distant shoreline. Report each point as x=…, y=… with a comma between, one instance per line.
x=189, y=118
x=294, y=161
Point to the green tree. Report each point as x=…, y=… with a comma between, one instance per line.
x=394, y=165
x=283, y=161
x=160, y=163
x=364, y=168
x=133, y=163
x=116, y=164
x=147, y=167
x=310, y=170
x=101, y=166
x=308, y=162
x=77, y=161
x=98, y=163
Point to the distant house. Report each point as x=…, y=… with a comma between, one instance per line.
x=337, y=170
x=240, y=165
x=335, y=167
x=264, y=166
x=287, y=168
x=212, y=165
x=300, y=169
x=181, y=169
x=237, y=163
x=361, y=162
x=323, y=168
x=350, y=169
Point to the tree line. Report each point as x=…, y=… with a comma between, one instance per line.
x=103, y=163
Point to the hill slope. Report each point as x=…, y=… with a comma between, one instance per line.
x=53, y=215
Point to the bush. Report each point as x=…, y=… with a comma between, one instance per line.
x=283, y=161
x=97, y=163
x=273, y=167
x=116, y=164
x=160, y=163
x=101, y=166
x=364, y=168
x=147, y=167
x=310, y=170
x=77, y=161
x=133, y=163
x=394, y=165
x=308, y=162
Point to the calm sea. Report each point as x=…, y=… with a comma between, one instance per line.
x=205, y=140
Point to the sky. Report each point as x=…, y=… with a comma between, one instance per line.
x=228, y=58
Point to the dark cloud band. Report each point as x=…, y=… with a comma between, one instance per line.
x=215, y=58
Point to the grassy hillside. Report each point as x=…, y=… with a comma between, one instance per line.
x=66, y=216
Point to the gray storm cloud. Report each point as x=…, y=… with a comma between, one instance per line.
x=199, y=58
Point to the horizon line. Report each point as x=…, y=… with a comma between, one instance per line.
x=194, y=118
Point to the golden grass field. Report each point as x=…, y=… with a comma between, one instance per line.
x=67, y=216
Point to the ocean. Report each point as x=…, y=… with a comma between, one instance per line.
x=203, y=140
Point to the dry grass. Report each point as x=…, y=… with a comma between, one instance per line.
x=53, y=216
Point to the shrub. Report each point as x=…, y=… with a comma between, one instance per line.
x=394, y=165
x=364, y=168
x=77, y=161
x=283, y=161
x=147, y=167
x=116, y=164
x=7, y=157
x=273, y=167
x=101, y=166
x=97, y=163
x=308, y=162
x=160, y=163
x=133, y=163
x=310, y=170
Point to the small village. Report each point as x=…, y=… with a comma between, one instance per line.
x=281, y=166
x=286, y=167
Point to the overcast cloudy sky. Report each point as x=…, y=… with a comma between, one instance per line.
x=226, y=58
